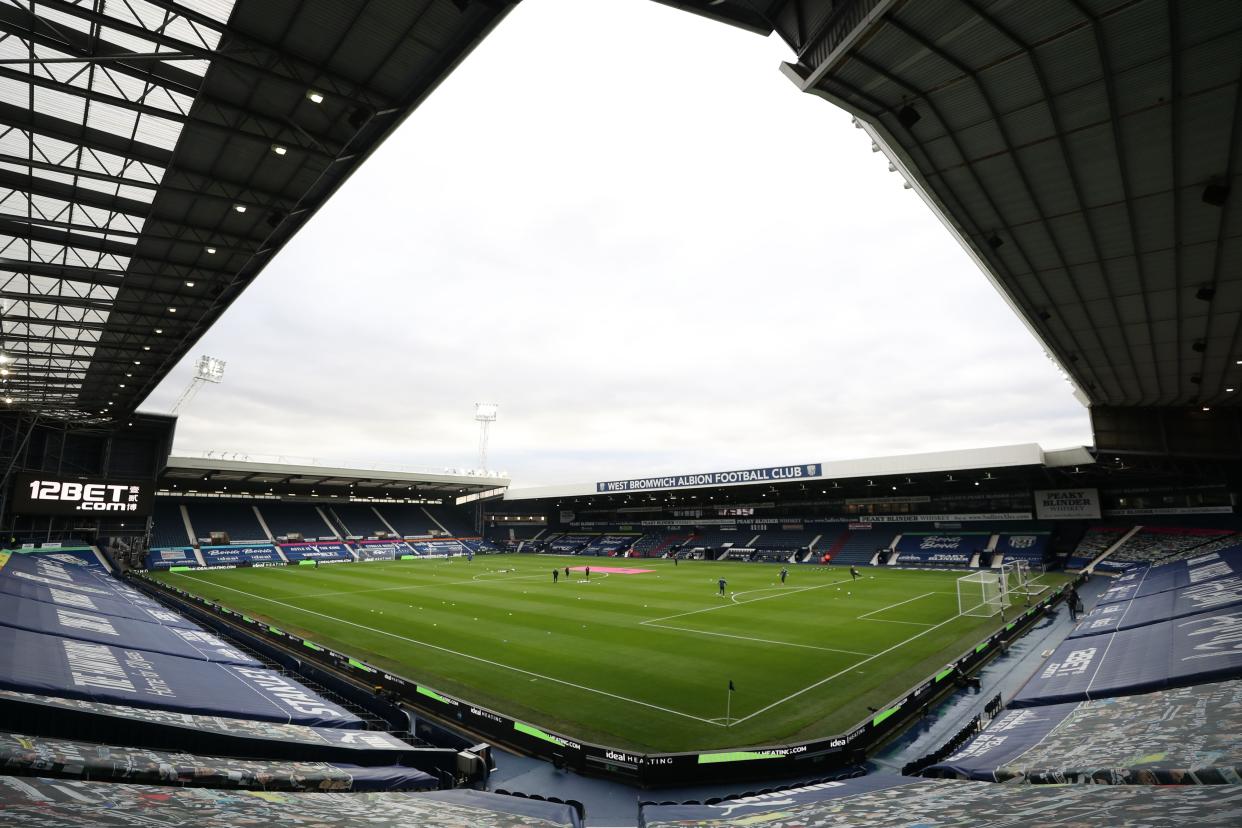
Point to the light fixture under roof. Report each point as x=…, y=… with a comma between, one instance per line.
x=279, y=149
x=159, y=330
x=146, y=347
x=1207, y=408
x=189, y=284
x=314, y=96
x=172, y=310
x=241, y=208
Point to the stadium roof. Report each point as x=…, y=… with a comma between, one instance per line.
x=223, y=474
x=1086, y=152
x=938, y=463
x=156, y=154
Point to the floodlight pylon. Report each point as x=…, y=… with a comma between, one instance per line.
x=484, y=415
x=207, y=369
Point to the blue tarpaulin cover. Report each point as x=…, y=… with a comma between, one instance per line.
x=1151, y=580
x=1190, y=650
x=1171, y=737
x=1221, y=593
x=38, y=663
x=70, y=598
x=52, y=619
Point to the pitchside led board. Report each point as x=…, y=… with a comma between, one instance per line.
x=50, y=494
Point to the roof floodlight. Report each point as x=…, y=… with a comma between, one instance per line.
x=279, y=149
x=211, y=251
x=189, y=284
x=241, y=208
x=314, y=96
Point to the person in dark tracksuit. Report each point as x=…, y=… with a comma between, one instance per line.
x=784, y=574
x=854, y=572
x=588, y=573
x=556, y=573
x=722, y=583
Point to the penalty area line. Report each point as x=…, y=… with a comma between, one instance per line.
x=479, y=659
x=840, y=673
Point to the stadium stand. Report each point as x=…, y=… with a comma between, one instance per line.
x=1093, y=543
x=167, y=525
x=716, y=538
x=409, y=519
x=609, y=544
x=656, y=544
x=453, y=519
x=38, y=802
x=569, y=543
x=882, y=801
x=21, y=754
x=858, y=546
x=1030, y=546
x=1151, y=543
x=1171, y=737
x=357, y=519
x=941, y=547
x=285, y=518
x=1157, y=627
x=144, y=663
x=235, y=518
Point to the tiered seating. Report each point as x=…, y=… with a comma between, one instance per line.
x=1094, y=542
x=609, y=544
x=409, y=519
x=284, y=518
x=789, y=539
x=860, y=545
x=234, y=517
x=454, y=519
x=924, y=545
x=167, y=527
x=1156, y=542
x=62, y=803
x=359, y=519
x=570, y=543
x=883, y=801
x=1222, y=544
x=1158, y=627
x=161, y=701
x=715, y=538
x=1143, y=691
x=1030, y=546
x=656, y=544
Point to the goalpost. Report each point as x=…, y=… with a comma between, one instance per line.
x=982, y=594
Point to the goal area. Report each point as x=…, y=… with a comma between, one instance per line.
x=982, y=594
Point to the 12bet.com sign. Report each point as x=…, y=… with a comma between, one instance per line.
x=42, y=494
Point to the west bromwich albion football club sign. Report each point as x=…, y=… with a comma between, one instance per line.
x=773, y=474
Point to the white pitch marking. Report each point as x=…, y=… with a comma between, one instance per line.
x=898, y=604
x=839, y=673
x=412, y=586
x=748, y=638
x=456, y=653
x=739, y=603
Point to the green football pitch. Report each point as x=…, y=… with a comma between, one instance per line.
x=637, y=661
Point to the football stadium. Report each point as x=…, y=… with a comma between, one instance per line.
x=1006, y=634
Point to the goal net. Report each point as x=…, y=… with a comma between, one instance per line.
x=1021, y=579
x=981, y=594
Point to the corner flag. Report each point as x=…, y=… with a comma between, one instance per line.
x=731, y=687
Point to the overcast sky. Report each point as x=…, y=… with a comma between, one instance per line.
x=623, y=224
